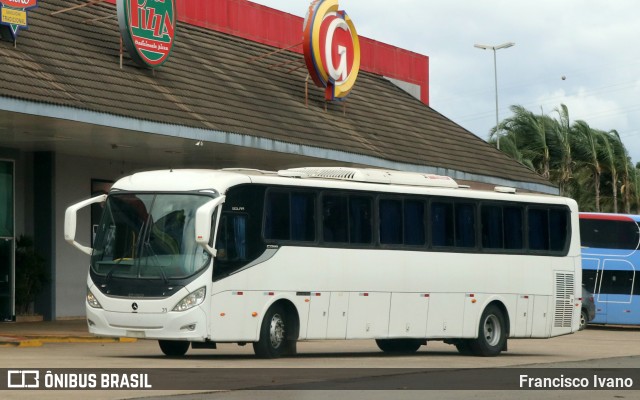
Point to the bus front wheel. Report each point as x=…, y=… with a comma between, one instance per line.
x=273, y=342
x=174, y=348
x=399, y=346
x=492, y=333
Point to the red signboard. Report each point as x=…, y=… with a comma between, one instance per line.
x=148, y=29
x=266, y=25
x=21, y=4
x=331, y=48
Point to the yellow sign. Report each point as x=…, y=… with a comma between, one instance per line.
x=14, y=17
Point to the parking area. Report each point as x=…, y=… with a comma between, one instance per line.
x=595, y=347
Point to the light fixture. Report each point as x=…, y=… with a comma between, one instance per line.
x=495, y=72
x=199, y=143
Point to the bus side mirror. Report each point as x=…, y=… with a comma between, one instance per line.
x=70, y=222
x=203, y=224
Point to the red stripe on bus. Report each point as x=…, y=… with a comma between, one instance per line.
x=606, y=217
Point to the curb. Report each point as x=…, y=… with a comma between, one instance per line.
x=37, y=341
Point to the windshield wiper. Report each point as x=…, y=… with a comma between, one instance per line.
x=153, y=254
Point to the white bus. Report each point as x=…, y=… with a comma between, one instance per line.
x=200, y=257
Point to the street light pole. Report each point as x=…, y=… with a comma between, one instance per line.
x=495, y=73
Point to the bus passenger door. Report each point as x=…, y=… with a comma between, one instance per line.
x=318, y=315
x=616, y=292
x=338, y=310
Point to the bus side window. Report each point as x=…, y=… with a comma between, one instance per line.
x=414, y=232
x=513, y=228
x=277, y=223
x=442, y=232
x=303, y=222
x=538, y=229
x=390, y=215
x=360, y=231
x=334, y=217
x=492, y=227
x=558, y=234
x=465, y=225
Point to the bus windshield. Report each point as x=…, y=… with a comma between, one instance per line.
x=149, y=236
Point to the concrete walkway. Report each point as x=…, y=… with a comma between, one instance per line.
x=34, y=334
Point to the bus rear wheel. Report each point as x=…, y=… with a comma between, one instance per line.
x=492, y=333
x=174, y=348
x=584, y=317
x=273, y=342
x=400, y=346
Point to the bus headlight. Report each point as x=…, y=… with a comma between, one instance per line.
x=91, y=299
x=193, y=299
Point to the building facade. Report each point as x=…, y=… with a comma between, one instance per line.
x=77, y=113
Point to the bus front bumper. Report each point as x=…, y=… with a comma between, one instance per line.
x=188, y=325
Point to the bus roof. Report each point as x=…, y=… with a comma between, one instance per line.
x=324, y=177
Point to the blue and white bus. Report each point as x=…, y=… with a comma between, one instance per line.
x=610, y=259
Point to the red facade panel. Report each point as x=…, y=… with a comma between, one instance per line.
x=265, y=25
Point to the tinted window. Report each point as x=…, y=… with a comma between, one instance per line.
x=558, y=229
x=277, y=219
x=414, y=232
x=442, y=232
x=617, y=282
x=589, y=279
x=360, y=229
x=538, y=229
x=492, y=227
x=401, y=222
x=513, y=228
x=290, y=216
x=390, y=214
x=334, y=219
x=465, y=225
x=607, y=234
x=303, y=220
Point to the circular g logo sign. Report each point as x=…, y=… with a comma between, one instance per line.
x=331, y=48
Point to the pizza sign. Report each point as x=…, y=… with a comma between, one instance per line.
x=331, y=48
x=13, y=15
x=148, y=29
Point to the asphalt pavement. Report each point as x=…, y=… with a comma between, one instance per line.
x=35, y=334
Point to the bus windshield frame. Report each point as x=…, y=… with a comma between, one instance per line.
x=149, y=236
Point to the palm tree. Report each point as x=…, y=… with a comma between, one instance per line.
x=587, y=148
x=623, y=165
x=562, y=160
x=608, y=153
x=531, y=137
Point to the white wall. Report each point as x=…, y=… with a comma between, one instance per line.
x=73, y=177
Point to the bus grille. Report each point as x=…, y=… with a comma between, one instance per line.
x=564, y=300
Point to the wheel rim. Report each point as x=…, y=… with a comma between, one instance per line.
x=276, y=331
x=492, y=330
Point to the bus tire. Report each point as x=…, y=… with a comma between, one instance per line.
x=273, y=342
x=492, y=333
x=174, y=348
x=584, y=317
x=400, y=346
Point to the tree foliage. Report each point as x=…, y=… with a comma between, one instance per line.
x=590, y=165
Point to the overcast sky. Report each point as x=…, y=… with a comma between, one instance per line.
x=594, y=44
